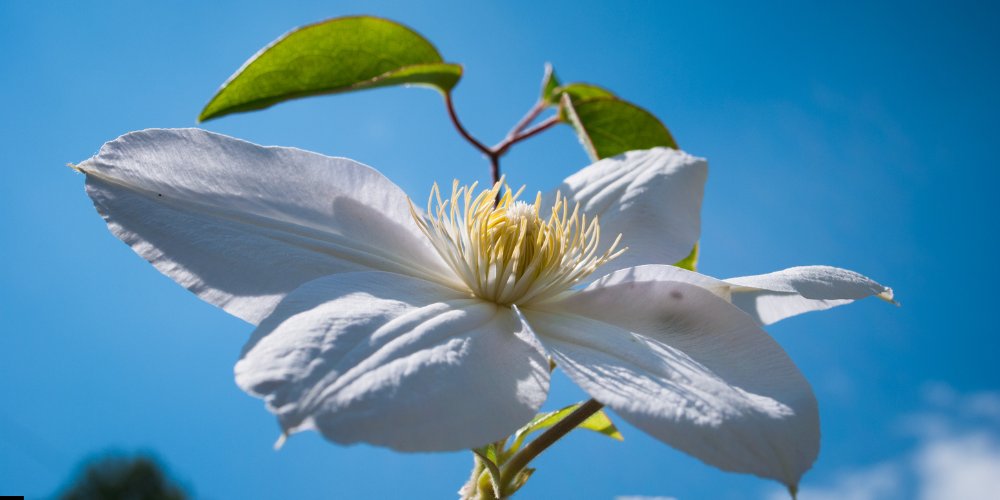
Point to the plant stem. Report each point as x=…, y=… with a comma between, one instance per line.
x=502, y=147
x=495, y=170
x=527, y=119
x=517, y=134
x=461, y=130
x=550, y=436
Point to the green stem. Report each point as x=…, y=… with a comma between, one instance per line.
x=521, y=459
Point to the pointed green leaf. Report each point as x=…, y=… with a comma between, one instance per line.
x=337, y=55
x=607, y=126
x=578, y=92
x=553, y=89
x=598, y=422
x=488, y=453
x=487, y=457
x=691, y=261
x=520, y=480
x=549, y=83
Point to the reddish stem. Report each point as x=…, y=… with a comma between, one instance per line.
x=517, y=134
x=461, y=130
x=527, y=119
x=502, y=147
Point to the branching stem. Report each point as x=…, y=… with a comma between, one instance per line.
x=504, y=145
x=527, y=119
x=517, y=134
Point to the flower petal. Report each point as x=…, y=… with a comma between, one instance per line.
x=651, y=197
x=242, y=225
x=767, y=298
x=775, y=296
x=659, y=272
x=395, y=361
x=690, y=369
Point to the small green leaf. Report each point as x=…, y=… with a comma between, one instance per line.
x=598, y=422
x=520, y=480
x=579, y=92
x=549, y=83
x=487, y=456
x=601, y=423
x=607, y=126
x=691, y=261
x=553, y=89
x=337, y=55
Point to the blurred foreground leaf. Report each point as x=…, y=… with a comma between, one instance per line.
x=120, y=478
x=337, y=55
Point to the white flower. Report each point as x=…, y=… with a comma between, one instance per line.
x=378, y=323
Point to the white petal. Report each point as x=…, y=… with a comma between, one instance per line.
x=658, y=272
x=767, y=298
x=242, y=225
x=651, y=197
x=395, y=361
x=690, y=369
x=779, y=295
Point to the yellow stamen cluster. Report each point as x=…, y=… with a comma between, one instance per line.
x=503, y=249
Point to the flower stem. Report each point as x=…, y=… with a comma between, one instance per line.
x=517, y=134
x=527, y=119
x=503, y=146
x=521, y=459
x=461, y=130
x=495, y=170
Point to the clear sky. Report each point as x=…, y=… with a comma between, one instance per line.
x=855, y=134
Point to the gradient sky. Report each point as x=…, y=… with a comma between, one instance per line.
x=855, y=134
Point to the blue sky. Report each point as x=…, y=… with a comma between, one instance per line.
x=860, y=135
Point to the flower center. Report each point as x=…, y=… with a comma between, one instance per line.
x=504, y=250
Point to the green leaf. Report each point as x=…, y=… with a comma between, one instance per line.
x=549, y=83
x=607, y=126
x=337, y=55
x=520, y=480
x=579, y=92
x=598, y=422
x=553, y=89
x=691, y=261
x=487, y=456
